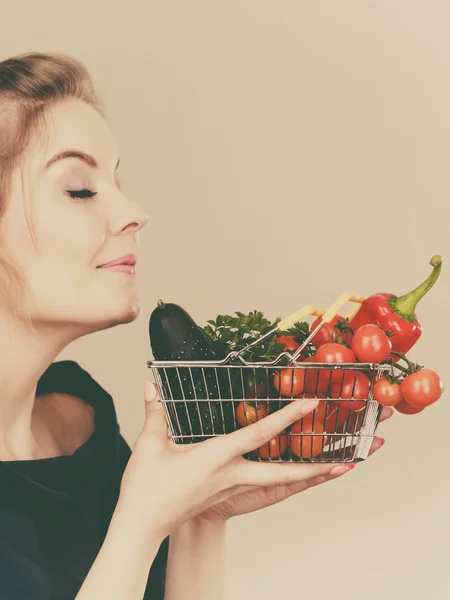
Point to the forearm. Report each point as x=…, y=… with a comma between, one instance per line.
x=121, y=569
x=196, y=565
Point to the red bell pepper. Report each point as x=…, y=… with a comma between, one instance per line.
x=397, y=314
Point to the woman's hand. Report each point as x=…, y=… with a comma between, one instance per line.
x=251, y=498
x=166, y=484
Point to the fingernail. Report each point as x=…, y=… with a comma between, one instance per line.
x=378, y=442
x=340, y=469
x=307, y=408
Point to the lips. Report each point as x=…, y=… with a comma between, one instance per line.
x=128, y=259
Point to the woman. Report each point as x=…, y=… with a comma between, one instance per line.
x=80, y=515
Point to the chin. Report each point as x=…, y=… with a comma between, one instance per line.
x=128, y=314
x=132, y=313
x=112, y=316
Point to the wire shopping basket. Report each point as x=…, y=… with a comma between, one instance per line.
x=212, y=398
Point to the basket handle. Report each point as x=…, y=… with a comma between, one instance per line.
x=300, y=314
x=309, y=310
x=329, y=314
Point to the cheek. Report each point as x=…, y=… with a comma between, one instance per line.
x=71, y=241
x=70, y=238
x=60, y=269
x=62, y=275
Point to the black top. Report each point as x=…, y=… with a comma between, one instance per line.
x=54, y=512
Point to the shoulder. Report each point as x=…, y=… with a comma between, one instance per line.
x=79, y=393
x=69, y=375
x=75, y=397
x=70, y=420
x=68, y=378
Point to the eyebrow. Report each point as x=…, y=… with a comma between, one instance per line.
x=86, y=158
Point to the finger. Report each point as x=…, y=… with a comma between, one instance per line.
x=155, y=419
x=258, y=499
x=257, y=434
x=300, y=486
x=376, y=445
x=247, y=498
x=386, y=413
x=224, y=495
x=265, y=474
x=252, y=499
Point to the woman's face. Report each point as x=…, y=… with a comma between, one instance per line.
x=81, y=220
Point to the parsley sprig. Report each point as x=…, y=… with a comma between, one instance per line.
x=232, y=333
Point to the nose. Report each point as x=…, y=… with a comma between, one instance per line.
x=130, y=217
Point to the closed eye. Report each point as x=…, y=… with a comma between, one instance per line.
x=81, y=194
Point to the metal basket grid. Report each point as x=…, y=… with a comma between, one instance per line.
x=207, y=399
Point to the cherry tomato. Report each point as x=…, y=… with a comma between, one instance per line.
x=247, y=413
x=406, y=409
x=301, y=357
x=274, y=448
x=328, y=333
x=370, y=344
x=387, y=393
x=258, y=390
x=354, y=385
x=323, y=408
x=324, y=405
x=314, y=384
x=288, y=341
x=307, y=446
x=334, y=353
x=289, y=382
x=337, y=417
x=422, y=388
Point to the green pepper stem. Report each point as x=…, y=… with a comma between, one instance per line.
x=406, y=305
x=161, y=304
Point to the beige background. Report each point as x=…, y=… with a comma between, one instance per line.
x=286, y=151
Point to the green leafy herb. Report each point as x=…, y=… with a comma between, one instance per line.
x=233, y=333
x=300, y=332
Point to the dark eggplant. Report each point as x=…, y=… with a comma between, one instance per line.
x=175, y=336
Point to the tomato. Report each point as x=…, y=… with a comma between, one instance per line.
x=406, y=409
x=289, y=382
x=301, y=357
x=274, y=448
x=387, y=393
x=422, y=388
x=255, y=390
x=370, y=344
x=329, y=333
x=354, y=385
x=288, y=341
x=337, y=417
x=313, y=383
x=247, y=413
x=307, y=446
x=323, y=408
x=334, y=353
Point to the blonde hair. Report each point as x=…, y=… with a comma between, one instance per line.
x=30, y=84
